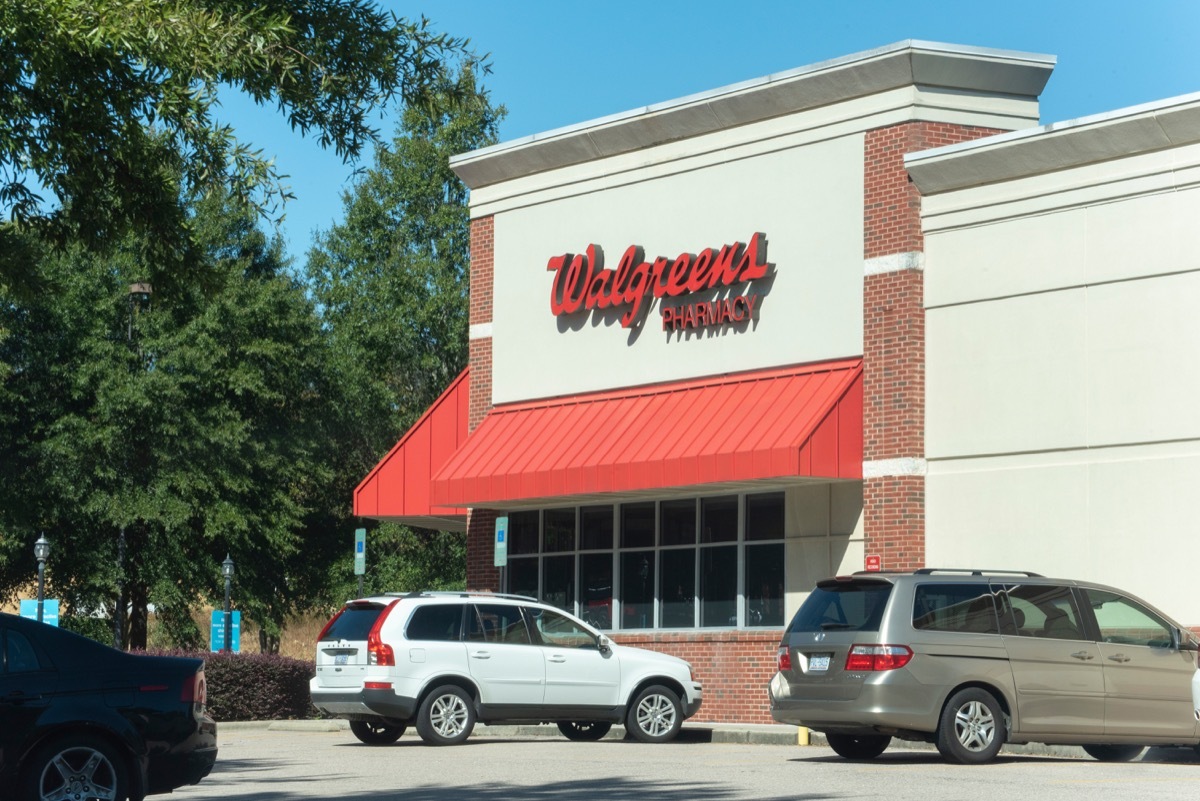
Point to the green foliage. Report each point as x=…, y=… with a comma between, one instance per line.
x=95, y=628
x=392, y=279
x=109, y=105
x=392, y=283
x=194, y=422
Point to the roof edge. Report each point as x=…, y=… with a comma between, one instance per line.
x=908, y=62
x=1130, y=131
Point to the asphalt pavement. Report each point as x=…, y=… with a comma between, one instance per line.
x=749, y=733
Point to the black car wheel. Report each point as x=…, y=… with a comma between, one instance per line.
x=447, y=716
x=972, y=727
x=375, y=733
x=76, y=767
x=655, y=715
x=584, y=730
x=1114, y=753
x=851, y=746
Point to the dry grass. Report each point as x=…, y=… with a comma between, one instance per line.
x=299, y=639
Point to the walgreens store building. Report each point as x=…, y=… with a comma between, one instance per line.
x=861, y=315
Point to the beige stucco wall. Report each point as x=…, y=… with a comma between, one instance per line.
x=806, y=199
x=1063, y=368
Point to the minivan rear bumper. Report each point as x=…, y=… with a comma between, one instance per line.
x=887, y=703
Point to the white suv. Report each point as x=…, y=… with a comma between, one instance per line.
x=444, y=661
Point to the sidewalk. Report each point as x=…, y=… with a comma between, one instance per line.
x=750, y=733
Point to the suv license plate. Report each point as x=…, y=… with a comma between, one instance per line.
x=818, y=663
x=343, y=659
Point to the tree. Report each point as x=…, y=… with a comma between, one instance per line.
x=107, y=105
x=193, y=421
x=392, y=284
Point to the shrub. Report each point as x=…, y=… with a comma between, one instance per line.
x=256, y=686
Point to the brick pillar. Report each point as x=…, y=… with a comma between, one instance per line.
x=481, y=574
x=894, y=341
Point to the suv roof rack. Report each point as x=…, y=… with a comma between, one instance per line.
x=459, y=594
x=926, y=571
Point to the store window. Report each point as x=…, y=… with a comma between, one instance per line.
x=682, y=563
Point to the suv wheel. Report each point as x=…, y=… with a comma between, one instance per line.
x=851, y=746
x=447, y=716
x=375, y=732
x=972, y=727
x=655, y=715
x=1114, y=753
x=584, y=730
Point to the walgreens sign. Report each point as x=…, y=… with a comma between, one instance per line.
x=583, y=284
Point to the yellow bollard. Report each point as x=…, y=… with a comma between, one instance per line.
x=802, y=735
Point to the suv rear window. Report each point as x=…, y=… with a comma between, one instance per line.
x=353, y=623
x=967, y=608
x=843, y=606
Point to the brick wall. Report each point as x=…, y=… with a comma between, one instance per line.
x=481, y=523
x=734, y=668
x=894, y=341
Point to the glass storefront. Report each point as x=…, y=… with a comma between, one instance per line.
x=675, y=564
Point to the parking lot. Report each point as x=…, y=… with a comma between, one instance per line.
x=257, y=764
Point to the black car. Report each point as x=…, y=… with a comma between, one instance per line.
x=80, y=720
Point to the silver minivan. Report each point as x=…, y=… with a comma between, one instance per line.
x=972, y=659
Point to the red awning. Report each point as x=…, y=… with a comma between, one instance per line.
x=771, y=424
x=397, y=489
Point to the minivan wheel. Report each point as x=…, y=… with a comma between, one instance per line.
x=971, y=729
x=584, y=730
x=1114, y=753
x=853, y=746
x=447, y=716
x=375, y=732
x=655, y=715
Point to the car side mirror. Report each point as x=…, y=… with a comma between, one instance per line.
x=603, y=644
x=1183, y=641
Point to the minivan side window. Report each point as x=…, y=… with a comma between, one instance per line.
x=1125, y=621
x=1038, y=610
x=966, y=608
x=436, y=622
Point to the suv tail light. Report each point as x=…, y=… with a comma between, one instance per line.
x=877, y=657
x=379, y=652
x=783, y=658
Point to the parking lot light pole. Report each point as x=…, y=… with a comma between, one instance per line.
x=227, y=572
x=41, y=549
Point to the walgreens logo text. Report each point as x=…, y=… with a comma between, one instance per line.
x=583, y=283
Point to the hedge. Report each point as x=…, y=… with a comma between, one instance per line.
x=255, y=686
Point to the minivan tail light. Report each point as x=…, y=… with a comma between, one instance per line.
x=784, y=658
x=379, y=652
x=877, y=657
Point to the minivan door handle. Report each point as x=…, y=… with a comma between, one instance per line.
x=1119, y=658
x=1084, y=655
x=481, y=655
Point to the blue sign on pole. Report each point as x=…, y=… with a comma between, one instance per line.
x=49, y=611
x=500, y=554
x=217, y=636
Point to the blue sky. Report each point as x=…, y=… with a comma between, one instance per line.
x=565, y=62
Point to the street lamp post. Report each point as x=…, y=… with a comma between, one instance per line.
x=139, y=294
x=41, y=549
x=227, y=572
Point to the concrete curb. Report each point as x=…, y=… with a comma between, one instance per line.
x=750, y=734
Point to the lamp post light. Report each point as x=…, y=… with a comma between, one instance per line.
x=41, y=549
x=227, y=572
